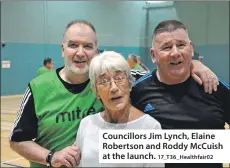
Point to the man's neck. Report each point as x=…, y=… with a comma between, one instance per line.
x=72, y=78
x=169, y=80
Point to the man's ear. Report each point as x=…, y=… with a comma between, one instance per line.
x=62, y=50
x=153, y=56
x=192, y=48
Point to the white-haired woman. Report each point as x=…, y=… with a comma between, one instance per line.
x=111, y=82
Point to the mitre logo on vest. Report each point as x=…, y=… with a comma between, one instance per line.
x=74, y=115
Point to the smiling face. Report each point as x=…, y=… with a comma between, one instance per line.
x=114, y=89
x=172, y=53
x=78, y=48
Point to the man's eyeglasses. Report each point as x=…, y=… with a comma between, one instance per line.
x=119, y=80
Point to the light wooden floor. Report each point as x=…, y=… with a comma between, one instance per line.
x=9, y=107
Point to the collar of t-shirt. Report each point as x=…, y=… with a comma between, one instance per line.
x=73, y=88
x=176, y=89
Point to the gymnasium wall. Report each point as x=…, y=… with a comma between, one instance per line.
x=33, y=31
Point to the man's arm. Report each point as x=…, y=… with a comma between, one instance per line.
x=38, y=72
x=223, y=96
x=69, y=156
x=30, y=151
x=25, y=129
x=203, y=75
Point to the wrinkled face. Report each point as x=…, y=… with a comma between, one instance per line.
x=114, y=90
x=78, y=48
x=172, y=52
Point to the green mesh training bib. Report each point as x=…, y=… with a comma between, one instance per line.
x=59, y=111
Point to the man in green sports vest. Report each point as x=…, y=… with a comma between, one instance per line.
x=133, y=62
x=47, y=67
x=54, y=103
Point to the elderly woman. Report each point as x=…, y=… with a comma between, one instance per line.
x=111, y=82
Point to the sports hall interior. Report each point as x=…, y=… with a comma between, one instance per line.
x=33, y=30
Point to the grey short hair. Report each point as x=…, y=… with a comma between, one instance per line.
x=108, y=61
x=133, y=57
x=79, y=21
x=168, y=26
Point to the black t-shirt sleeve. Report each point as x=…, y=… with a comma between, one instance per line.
x=25, y=125
x=223, y=95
